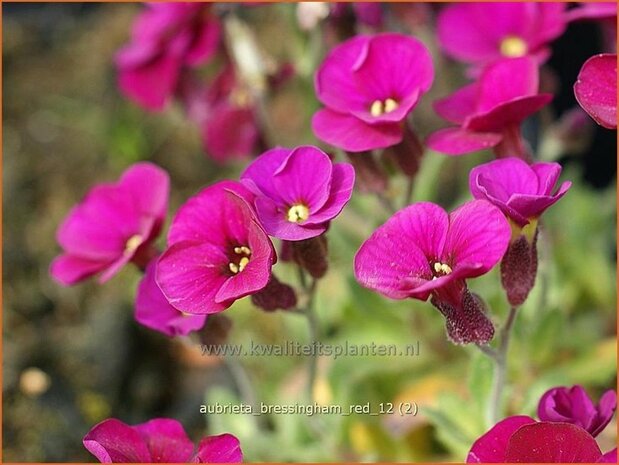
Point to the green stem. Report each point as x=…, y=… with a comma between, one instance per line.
x=500, y=366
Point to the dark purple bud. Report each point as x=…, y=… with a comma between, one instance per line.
x=312, y=255
x=216, y=329
x=276, y=295
x=466, y=319
x=369, y=174
x=519, y=268
x=407, y=154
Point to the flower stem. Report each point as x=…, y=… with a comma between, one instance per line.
x=313, y=326
x=500, y=366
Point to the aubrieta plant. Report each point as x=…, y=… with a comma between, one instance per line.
x=224, y=242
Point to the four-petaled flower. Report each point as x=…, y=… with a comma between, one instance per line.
x=482, y=33
x=573, y=405
x=521, y=439
x=298, y=191
x=489, y=111
x=422, y=251
x=154, y=311
x=596, y=89
x=217, y=251
x=161, y=440
x=166, y=37
x=113, y=225
x=369, y=85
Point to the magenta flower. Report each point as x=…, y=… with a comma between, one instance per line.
x=154, y=311
x=225, y=115
x=520, y=439
x=217, y=251
x=482, y=33
x=422, y=251
x=573, y=405
x=523, y=192
x=298, y=191
x=369, y=85
x=489, y=112
x=161, y=440
x=113, y=225
x=166, y=37
x=596, y=89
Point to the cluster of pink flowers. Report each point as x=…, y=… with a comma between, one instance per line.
x=219, y=245
x=569, y=423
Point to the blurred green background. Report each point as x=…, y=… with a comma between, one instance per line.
x=75, y=356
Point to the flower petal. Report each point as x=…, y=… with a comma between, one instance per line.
x=596, y=89
x=478, y=234
x=69, y=269
x=351, y=134
x=258, y=176
x=224, y=448
x=546, y=442
x=492, y=446
x=456, y=107
x=342, y=183
x=154, y=311
x=190, y=275
x=113, y=441
x=457, y=141
x=275, y=223
x=166, y=440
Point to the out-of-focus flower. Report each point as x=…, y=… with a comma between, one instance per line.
x=573, y=405
x=161, y=440
x=422, y=251
x=369, y=85
x=523, y=193
x=521, y=439
x=113, y=225
x=482, y=33
x=489, y=111
x=217, y=251
x=368, y=13
x=154, y=311
x=225, y=115
x=309, y=14
x=593, y=10
x=298, y=191
x=166, y=37
x=596, y=89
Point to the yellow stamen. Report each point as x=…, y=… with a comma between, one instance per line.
x=243, y=263
x=233, y=267
x=380, y=107
x=442, y=268
x=243, y=250
x=133, y=243
x=298, y=213
x=513, y=46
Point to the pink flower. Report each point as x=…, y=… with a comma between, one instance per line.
x=217, y=251
x=154, y=311
x=596, y=89
x=113, y=225
x=422, y=251
x=369, y=85
x=225, y=115
x=482, y=33
x=489, y=112
x=298, y=191
x=573, y=405
x=521, y=439
x=161, y=440
x=523, y=192
x=166, y=37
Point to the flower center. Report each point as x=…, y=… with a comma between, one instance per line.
x=244, y=253
x=513, y=46
x=441, y=269
x=133, y=243
x=297, y=213
x=380, y=107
